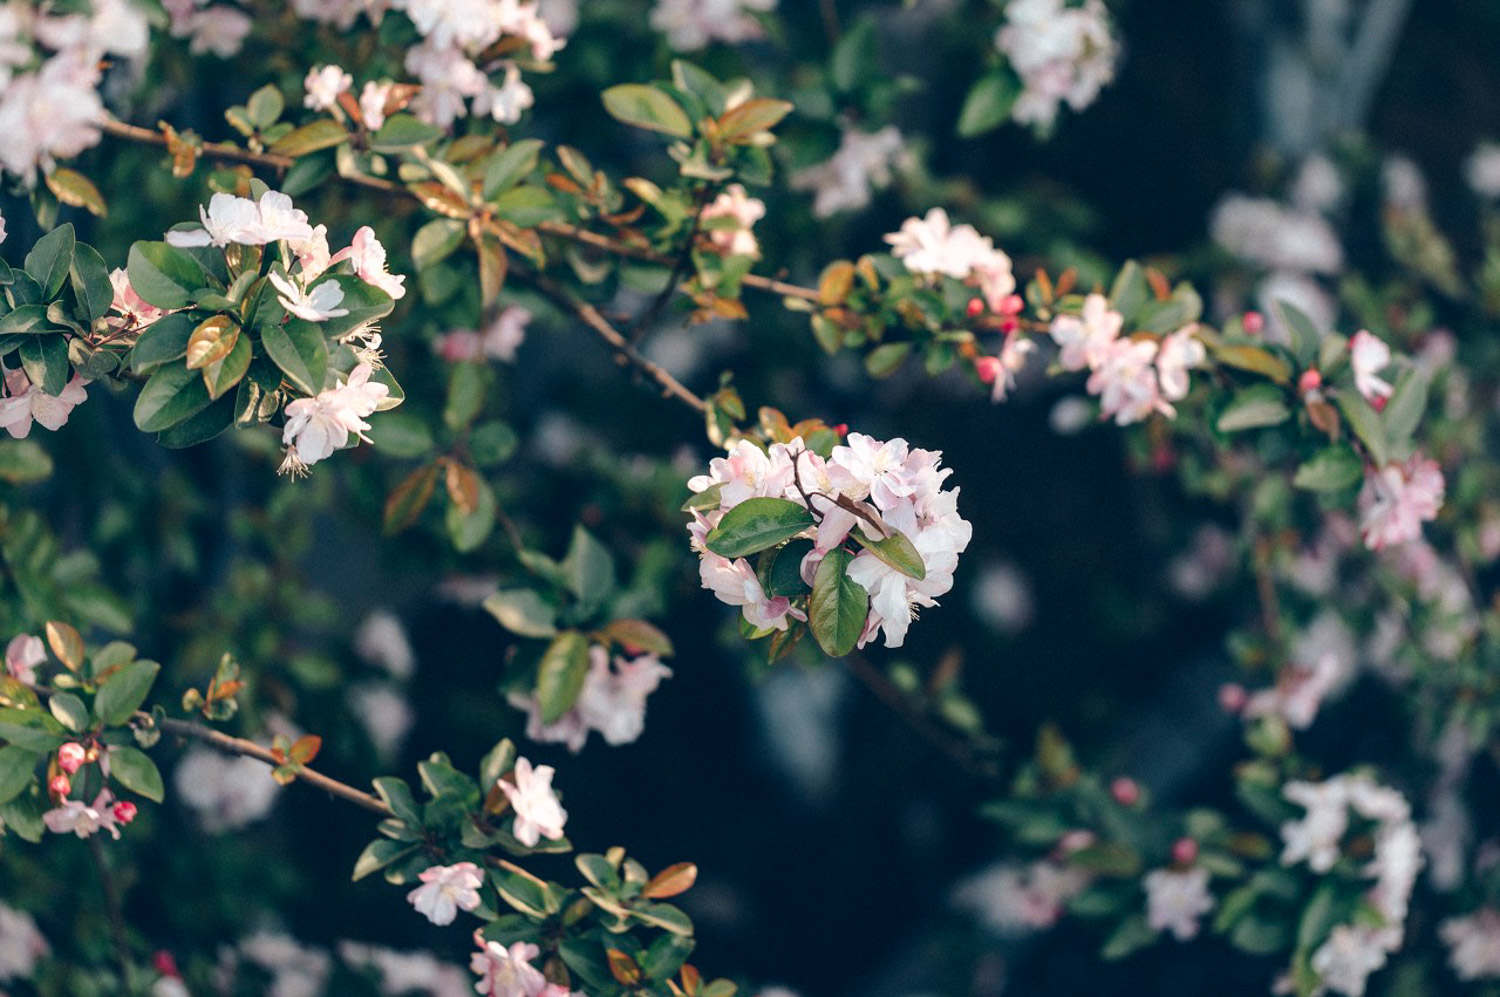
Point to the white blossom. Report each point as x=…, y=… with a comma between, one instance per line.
x=506, y=972
x=1176, y=899
x=1397, y=499
x=446, y=890
x=323, y=85
x=225, y=793
x=21, y=944
x=691, y=24
x=538, y=812
x=862, y=164
x=1473, y=944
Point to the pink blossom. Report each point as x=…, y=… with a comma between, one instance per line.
x=83, y=819
x=1176, y=899
x=129, y=304
x=538, y=812
x=1001, y=370
x=1126, y=383
x=743, y=211
x=506, y=972
x=446, y=890
x=22, y=655
x=317, y=426
x=735, y=583
x=26, y=402
x=1368, y=356
x=70, y=757
x=1084, y=340
x=367, y=256
x=1397, y=499
x=1179, y=353
x=323, y=85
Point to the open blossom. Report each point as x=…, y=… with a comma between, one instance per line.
x=367, y=256
x=1125, y=381
x=736, y=584
x=1176, y=899
x=50, y=114
x=22, y=655
x=21, y=944
x=323, y=85
x=1180, y=352
x=224, y=793
x=506, y=972
x=933, y=245
x=1000, y=371
x=317, y=426
x=863, y=163
x=1061, y=53
x=229, y=219
x=25, y=402
x=137, y=311
x=1368, y=356
x=1352, y=952
x=372, y=101
x=1473, y=944
x=538, y=812
x=1084, y=339
x=316, y=304
x=691, y=24
x=1013, y=899
x=742, y=212
x=83, y=819
x=497, y=341
x=612, y=702
x=1299, y=692
x=1397, y=499
x=446, y=890
x=507, y=102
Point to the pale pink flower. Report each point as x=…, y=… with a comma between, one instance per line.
x=1352, y=952
x=372, y=100
x=735, y=584
x=367, y=256
x=1474, y=944
x=82, y=819
x=747, y=472
x=691, y=24
x=502, y=337
x=129, y=304
x=1084, y=340
x=538, y=812
x=1368, y=356
x=219, y=29
x=22, y=655
x=26, y=402
x=227, y=219
x=744, y=211
x=1397, y=499
x=21, y=944
x=1176, y=899
x=506, y=972
x=319, y=425
x=446, y=890
x=613, y=700
x=932, y=245
x=1125, y=381
x=312, y=253
x=323, y=85
x=317, y=304
x=1179, y=353
x=507, y=102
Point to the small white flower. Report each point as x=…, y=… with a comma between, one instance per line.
x=446, y=890
x=1175, y=899
x=506, y=972
x=367, y=256
x=538, y=812
x=323, y=85
x=1368, y=356
x=319, y=304
x=22, y=655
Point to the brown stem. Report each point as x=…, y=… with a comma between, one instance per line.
x=961, y=752
x=240, y=746
x=590, y=316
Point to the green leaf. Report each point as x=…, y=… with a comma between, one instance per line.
x=164, y=275
x=746, y=119
x=467, y=530
x=664, y=916
x=1254, y=359
x=1132, y=933
x=588, y=569
x=23, y=815
x=265, y=106
x=522, y=611
x=467, y=384
x=24, y=462
x=23, y=319
x=1366, y=423
x=221, y=375
x=124, y=692
x=510, y=165
x=887, y=358
x=1331, y=469
x=647, y=107
x=838, y=607
x=785, y=576
x=988, y=103
x=402, y=131
x=527, y=206
x=45, y=360
x=311, y=137
x=300, y=349
x=560, y=674
x=436, y=240
x=163, y=341
x=755, y=525
x=397, y=795
x=69, y=711
x=1254, y=407
x=665, y=956
x=17, y=770
x=856, y=56
x=1403, y=413
x=378, y=854
x=895, y=550
x=89, y=276
x=496, y=762
x=172, y=395
x=133, y=769
x=1129, y=292
x=492, y=443
x=199, y=428
x=50, y=260
x=31, y=729
x=1304, y=333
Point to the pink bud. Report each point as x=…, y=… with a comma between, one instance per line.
x=71, y=756
x=125, y=811
x=59, y=786
x=988, y=368
x=1184, y=851
x=1232, y=697
x=1126, y=791
x=1378, y=403
x=1254, y=322
x=164, y=964
x=1012, y=305
x=1310, y=380
x=1074, y=841
x=1009, y=325
x=975, y=308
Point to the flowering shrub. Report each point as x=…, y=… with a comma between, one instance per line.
x=409, y=603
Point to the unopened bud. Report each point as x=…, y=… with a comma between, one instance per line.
x=59, y=787
x=1254, y=322
x=1184, y=851
x=975, y=308
x=125, y=811
x=71, y=756
x=1126, y=791
x=1311, y=380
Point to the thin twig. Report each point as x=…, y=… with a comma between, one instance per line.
x=643, y=322
x=959, y=751
x=591, y=317
x=249, y=749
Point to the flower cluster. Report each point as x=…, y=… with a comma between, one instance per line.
x=507, y=971
x=691, y=24
x=932, y=247
x=611, y=702
x=1133, y=377
x=1176, y=898
x=875, y=487
x=1397, y=499
x=25, y=402
x=729, y=219
x=1355, y=950
x=1474, y=944
x=1060, y=52
x=317, y=426
x=215, y=28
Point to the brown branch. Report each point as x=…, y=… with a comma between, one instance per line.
x=958, y=750
x=239, y=746
x=590, y=316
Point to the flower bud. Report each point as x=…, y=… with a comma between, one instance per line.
x=1310, y=380
x=1074, y=841
x=1009, y=325
x=1012, y=305
x=165, y=964
x=1378, y=403
x=988, y=368
x=59, y=787
x=1126, y=791
x=1184, y=851
x=1232, y=697
x=1254, y=322
x=125, y=811
x=71, y=756
x=976, y=308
